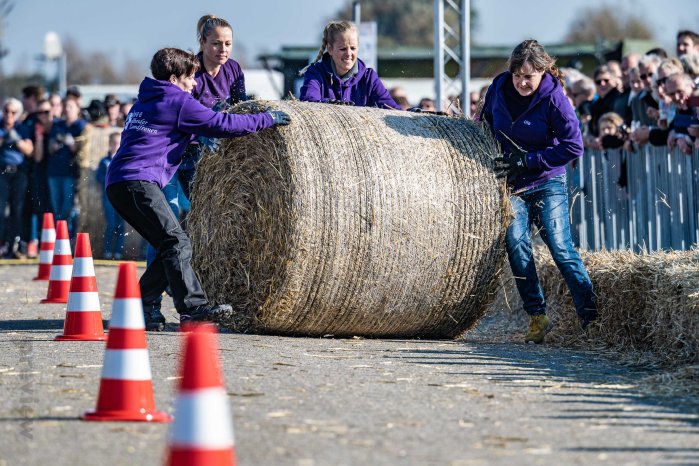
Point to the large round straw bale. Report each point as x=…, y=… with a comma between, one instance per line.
x=351, y=221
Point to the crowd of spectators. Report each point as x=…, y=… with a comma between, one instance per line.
x=644, y=99
x=44, y=161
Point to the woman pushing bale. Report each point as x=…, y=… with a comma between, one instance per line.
x=351, y=221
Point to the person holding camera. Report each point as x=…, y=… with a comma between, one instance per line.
x=160, y=125
x=529, y=114
x=338, y=76
x=16, y=148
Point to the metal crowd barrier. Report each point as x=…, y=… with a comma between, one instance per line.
x=643, y=201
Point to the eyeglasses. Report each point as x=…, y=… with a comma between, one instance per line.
x=599, y=82
x=44, y=112
x=661, y=81
x=645, y=76
x=11, y=112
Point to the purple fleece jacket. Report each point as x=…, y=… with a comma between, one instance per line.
x=365, y=89
x=548, y=130
x=161, y=124
x=229, y=82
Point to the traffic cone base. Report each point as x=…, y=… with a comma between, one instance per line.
x=114, y=401
x=83, y=329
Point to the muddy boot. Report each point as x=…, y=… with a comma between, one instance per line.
x=539, y=326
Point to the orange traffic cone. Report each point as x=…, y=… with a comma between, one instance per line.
x=83, y=316
x=203, y=430
x=126, y=389
x=48, y=238
x=61, y=267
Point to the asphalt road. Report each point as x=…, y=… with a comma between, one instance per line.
x=307, y=402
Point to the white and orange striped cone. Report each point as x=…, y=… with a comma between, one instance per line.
x=48, y=239
x=83, y=315
x=61, y=267
x=126, y=388
x=202, y=432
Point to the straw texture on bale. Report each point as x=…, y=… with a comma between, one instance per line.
x=351, y=221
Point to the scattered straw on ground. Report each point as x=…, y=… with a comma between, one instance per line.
x=648, y=311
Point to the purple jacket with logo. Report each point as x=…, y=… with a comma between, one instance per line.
x=161, y=124
x=229, y=82
x=548, y=130
x=365, y=89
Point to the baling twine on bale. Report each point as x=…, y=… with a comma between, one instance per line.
x=351, y=221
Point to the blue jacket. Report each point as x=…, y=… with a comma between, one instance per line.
x=162, y=123
x=548, y=130
x=365, y=89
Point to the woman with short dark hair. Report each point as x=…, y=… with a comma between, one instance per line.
x=160, y=125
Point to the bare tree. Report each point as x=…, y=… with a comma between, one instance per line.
x=606, y=22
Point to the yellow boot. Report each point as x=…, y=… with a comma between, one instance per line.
x=539, y=326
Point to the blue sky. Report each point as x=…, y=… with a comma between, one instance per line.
x=136, y=28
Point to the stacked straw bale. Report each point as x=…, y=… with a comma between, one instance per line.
x=648, y=304
x=351, y=221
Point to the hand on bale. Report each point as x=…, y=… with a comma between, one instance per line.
x=279, y=117
x=511, y=165
x=341, y=102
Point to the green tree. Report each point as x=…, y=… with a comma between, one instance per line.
x=606, y=22
x=401, y=23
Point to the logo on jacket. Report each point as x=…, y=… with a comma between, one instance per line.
x=527, y=122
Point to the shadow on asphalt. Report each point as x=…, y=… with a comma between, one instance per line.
x=614, y=400
x=31, y=324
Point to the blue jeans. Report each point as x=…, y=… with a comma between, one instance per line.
x=113, y=231
x=546, y=206
x=61, y=189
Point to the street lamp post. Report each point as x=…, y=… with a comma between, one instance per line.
x=53, y=51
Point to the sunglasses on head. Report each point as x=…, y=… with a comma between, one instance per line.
x=599, y=82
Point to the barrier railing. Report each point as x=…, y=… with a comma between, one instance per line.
x=644, y=201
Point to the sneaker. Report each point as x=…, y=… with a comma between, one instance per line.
x=154, y=319
x=539, y=326
x=221, y=314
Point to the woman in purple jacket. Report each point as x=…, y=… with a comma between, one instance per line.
x=337, y=76
x=160, y=125
x=530, y=115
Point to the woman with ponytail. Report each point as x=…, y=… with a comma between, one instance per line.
x=535, y=123
x=338, y=76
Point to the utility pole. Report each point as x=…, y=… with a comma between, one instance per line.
x=458, y=33
x=357, y=12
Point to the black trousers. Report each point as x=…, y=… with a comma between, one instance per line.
x=13, y=191
x=143, y=205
